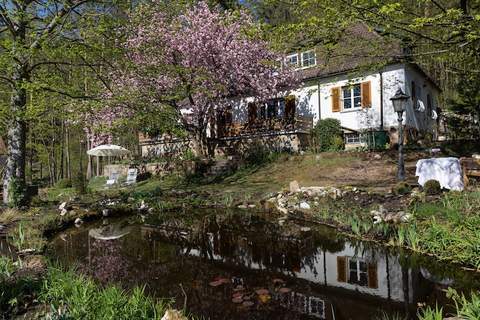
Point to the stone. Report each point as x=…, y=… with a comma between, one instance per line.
x=305, y=229
x=282, y=210
x=294, y=186
x=173, y=314
x=78, y=222
x=242, y=206
x=251, y=206
x=62, y=206
x=105, y=212
x=377, y=157
x=63, y=212
x=304, y=205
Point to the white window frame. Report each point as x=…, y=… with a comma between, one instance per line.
x=353, y=138
x=358, y=271
x=309, y=59
x=351, y=88
x=288, y=60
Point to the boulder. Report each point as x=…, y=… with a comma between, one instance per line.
x=294, y=186
x=173, y=314
x=304, y=205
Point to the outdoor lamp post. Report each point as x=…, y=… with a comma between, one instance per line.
x=399, y=101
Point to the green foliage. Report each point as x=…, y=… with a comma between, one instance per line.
x=431, y=314
x=7, y=267
x=63, y=184
x=402, y=188
x=258, y=154
x=79, y=183
x=17, y=193
x=327, y=135
x=432, y=187
x=74, y=296
x=467, y=308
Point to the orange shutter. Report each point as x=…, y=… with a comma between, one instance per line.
x=342, y=269
x=336, y=99
x=366, y=95
x=372, y=276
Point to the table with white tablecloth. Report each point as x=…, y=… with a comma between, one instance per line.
x=447, y=171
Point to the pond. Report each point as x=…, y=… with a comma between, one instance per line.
x=238, y=265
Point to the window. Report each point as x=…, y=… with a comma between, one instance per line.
x=292, y=60
x=353, y=138
x=308, y=59
x=357, y=272
x=352, y=97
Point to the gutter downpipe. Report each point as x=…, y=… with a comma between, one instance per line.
x=381, y=100
x=319, y=104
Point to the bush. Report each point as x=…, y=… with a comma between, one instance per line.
x=63, y=184
x=327, y=135
x=258, y=154
x=17, y=193
x=79, y=184
x=432, y=187
x=402, y=188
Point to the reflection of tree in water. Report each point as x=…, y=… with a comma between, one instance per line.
x=107, y=262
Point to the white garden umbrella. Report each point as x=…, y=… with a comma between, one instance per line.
x=108, y=150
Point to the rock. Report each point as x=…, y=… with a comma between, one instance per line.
x=78, y=222
x=62, y=206
x=105, y=212
x=173, y=314
x=242, y=206
x=63, y=212
x=377, y=157
x=318, y=157
x=304, y=205
x=294, y=186
x=282, y=210
x=305, y=229
x=251, y=206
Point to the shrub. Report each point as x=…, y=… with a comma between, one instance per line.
x=63, y=184
x=432, y=187
x=327, y=135
x=402, y=188
x=79, y=184
x=17, y=193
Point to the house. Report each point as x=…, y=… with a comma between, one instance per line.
x=352, y=83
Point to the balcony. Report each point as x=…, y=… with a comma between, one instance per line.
x=275, y=126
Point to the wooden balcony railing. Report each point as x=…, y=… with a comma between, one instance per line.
x=299, y=124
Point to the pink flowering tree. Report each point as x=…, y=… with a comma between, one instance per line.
x=197, y=63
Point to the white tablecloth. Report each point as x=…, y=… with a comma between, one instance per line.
x=447, y=171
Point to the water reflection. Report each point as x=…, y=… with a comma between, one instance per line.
x=245, y=267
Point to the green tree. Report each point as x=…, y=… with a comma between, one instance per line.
x=45, y=49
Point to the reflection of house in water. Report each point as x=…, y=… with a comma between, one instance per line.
x=303, y=304
x=358, y=269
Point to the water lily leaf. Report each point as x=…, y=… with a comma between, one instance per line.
x=237, y=300
x=237, y=294
x=215, y=283
x=247, y=304
x=264, y=298
x=262, y=292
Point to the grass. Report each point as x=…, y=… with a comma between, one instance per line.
x=72, y=296
x=67, y=295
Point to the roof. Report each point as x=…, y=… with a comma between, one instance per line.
x=359, y=47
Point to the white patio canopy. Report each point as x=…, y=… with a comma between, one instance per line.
x=106, y=150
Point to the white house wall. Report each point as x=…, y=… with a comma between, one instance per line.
x=358, y=118
x=312, y=103
x=307, y=101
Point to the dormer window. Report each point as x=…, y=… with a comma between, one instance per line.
x=292, y=60
x=308, y=59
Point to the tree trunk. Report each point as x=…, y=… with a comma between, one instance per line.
x=16, y=137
